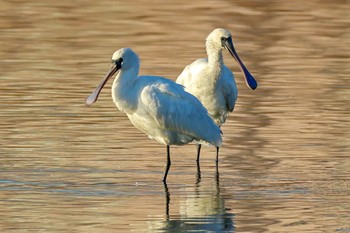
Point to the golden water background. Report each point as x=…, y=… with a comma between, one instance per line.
x=284, y=165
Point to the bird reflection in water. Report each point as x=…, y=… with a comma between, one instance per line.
x=203, y=210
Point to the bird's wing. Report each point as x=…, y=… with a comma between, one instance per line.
x=229, y=88
x=176, y=110
x=191, y=71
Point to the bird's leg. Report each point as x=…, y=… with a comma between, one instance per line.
x=198, y=173
x=217, y=154
x=217, y=172
x=167, y=164
x=167, y=200
x=217, y=151
x=198, y=152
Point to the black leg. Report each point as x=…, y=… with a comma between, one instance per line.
x=198, y=173
x=217, y=172
x=217, y=154
x=167, y=164
x=167, y=200
x=198, y=152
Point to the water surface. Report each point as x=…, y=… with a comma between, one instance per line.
x=284, y=165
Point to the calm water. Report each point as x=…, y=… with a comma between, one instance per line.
x=285, y=160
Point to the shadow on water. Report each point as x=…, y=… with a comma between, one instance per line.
x=203, y=210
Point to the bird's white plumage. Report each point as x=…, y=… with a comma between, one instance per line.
x=210, y=80
x=218, y=96
x=157, y=106
x=160, y=107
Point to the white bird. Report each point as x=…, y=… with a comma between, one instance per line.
x=212, y=82
x=157, y=106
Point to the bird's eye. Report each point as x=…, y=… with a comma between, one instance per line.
x=118, y=61
x=223, y=40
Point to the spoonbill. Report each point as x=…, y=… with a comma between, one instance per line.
x=212, y=82
x=157, y=106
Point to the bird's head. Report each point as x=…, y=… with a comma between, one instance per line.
x=221, y=38
x=126, y=58
x=218, y=38
x=122, y=59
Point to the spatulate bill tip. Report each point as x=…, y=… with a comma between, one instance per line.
x=250, y=80
x=90, y=100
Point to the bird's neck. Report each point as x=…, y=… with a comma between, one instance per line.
x=123, y=93
x=215, y=60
